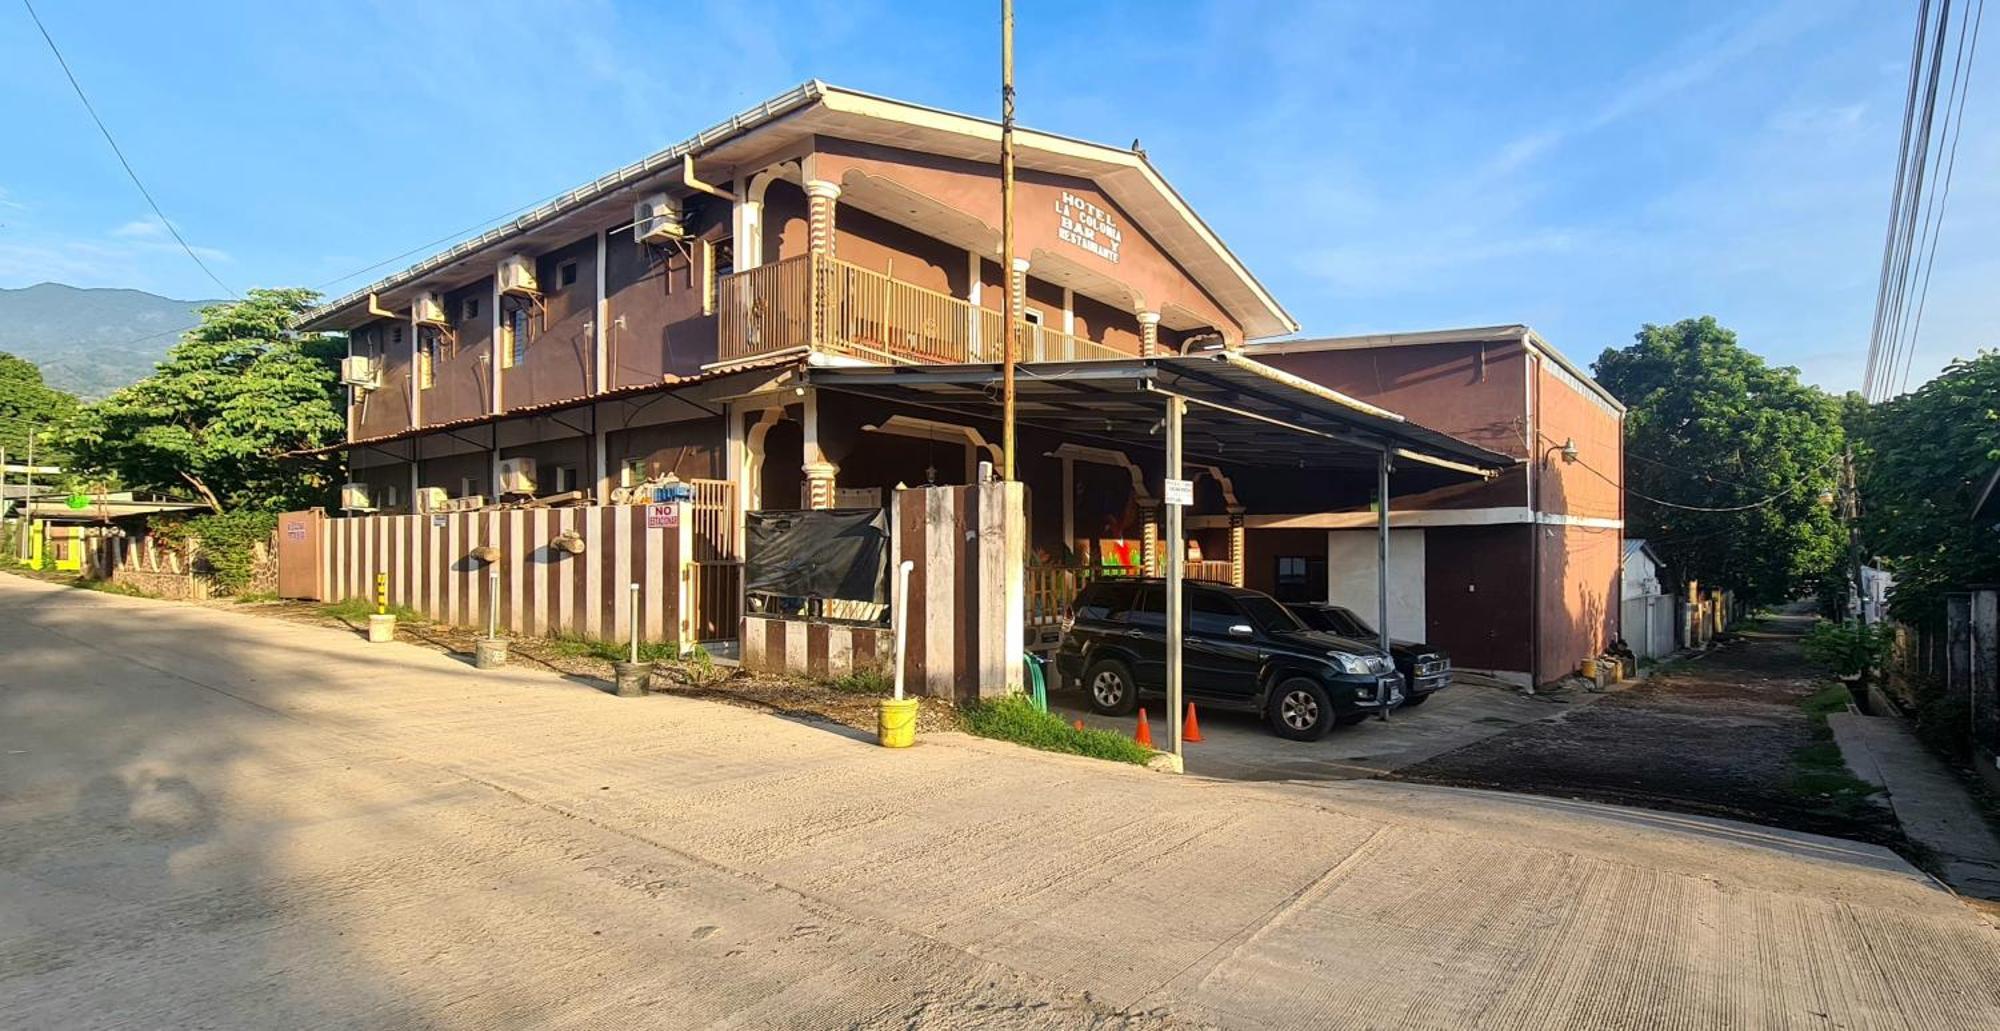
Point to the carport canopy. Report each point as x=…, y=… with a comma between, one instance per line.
x=1218, y=406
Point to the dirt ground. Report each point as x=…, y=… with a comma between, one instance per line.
x=1712, y=736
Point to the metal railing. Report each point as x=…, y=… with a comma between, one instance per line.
x=839, y=307
x=1052, y=590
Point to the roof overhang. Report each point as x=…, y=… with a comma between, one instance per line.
x=1516, y=333
x=1240, y=411
x=817, y=109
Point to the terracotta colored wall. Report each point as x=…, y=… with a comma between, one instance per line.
x=1262, y=549
x=1591, y=486
x=386, y=409
x=1477, y=392
x=1579, y=606
x=561, y=356
x=973, y=188
x=448, y=472
x=460, y=383
x=1105, y=324
x=1476, y=605
x=657, y=292
x=899, y=252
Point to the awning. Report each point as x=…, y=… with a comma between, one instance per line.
x=1240, y=411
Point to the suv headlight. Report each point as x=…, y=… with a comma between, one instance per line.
x=1349, y=663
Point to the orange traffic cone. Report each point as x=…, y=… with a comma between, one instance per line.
x=1079, y=724
x=1145, y=734
x=1191, y=731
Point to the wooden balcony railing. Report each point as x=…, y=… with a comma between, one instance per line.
x=1052, y=590
x=830, y=305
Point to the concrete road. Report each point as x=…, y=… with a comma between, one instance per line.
x=1241, y=746
x=208, y=819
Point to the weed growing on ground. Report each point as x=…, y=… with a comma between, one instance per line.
x=872, y=680
x=1819, y=774
x=1015, y=718
x=256, y=597
x=108, y=587
x=576, y=646
x=357, y=610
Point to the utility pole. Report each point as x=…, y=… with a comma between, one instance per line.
x=1850, y=492
x=27, y=495
x=1007, y=312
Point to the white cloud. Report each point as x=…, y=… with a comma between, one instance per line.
x=141, y=229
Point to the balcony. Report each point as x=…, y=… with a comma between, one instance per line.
x=834, y=307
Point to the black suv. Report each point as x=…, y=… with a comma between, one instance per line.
x=1426, y=670
x=1242, y=650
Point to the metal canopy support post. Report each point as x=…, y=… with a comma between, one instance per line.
x=1176, y=565
x=1382, y=567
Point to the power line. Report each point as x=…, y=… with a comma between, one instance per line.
x=1760, y=503
x=115, y=149
x=1956, y=126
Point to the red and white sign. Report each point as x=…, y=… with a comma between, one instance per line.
x=663, y=517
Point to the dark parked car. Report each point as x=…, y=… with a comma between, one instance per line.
x=1242, y=650
x=1426, y=670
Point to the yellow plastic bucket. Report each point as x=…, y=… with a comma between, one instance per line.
x=896, y=723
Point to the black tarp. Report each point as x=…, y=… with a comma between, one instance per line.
x=838, y=553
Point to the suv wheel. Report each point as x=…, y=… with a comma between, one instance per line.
x=1301, y=710
x=1109, y=687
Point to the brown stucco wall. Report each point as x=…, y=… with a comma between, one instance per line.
x=1579, y=609
x=973, y=188
x=561, y=355
x=447, y=471
x=1591, y=486
x=1263, y=548
x=690, y=450
x=386, y=409
x=570, y=451
x=657, y=292
x=461, y=386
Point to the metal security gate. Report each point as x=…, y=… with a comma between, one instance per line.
x=717, y=590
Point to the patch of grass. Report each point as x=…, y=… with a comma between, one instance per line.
x=1819, y=774
x=357, y=610
x=872, y=681
x=256, y=597
x=108, y=587
x=1014, y=718
x=576, y=646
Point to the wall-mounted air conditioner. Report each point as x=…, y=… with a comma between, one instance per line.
x=657, y=219
x=431, y=499
x=517, y=275
x=428, y=309
x=359, y=371
x=517, y=476
x=356, y=497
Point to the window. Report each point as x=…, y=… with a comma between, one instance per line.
x=518, y=331
x=469, y=487
x=1033, y=316
x=387, y=498
x=718, y=260
x=1151, y=611
x=1106, y=600
x=1300, y=578
x=468, y=310
x=1211, y=612
x=632, y=472
x=430, y=348
x=1269, y=614
x=565, y=479
x=565, y=274
x=396, y=336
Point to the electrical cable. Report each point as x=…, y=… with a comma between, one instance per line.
x=1895, y=199
x=115, y=149
x=1955, y=125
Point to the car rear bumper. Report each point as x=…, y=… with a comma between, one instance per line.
x=1434, y=682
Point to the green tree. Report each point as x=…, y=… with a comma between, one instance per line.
x=27, y=404
x=225, y=409
x=1731, y=463
x=1922, y=460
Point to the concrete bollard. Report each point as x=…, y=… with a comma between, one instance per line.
x=632, y=677
x=489, y=652
x=381, y=628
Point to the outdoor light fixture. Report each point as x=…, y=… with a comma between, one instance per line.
x=1567, y=448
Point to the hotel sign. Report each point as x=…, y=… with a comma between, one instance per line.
x=1088, y=226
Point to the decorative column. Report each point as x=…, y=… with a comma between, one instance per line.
x=1149, y=538
x=1149, y=334
x=819, y=472
x=748, y=228
x=1236, y=545
x=820, y=197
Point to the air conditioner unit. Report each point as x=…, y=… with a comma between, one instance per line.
x=356, y=497
x=428, y=309
x=359, y=371
x=657, y=219
x=431, y=499
x=517, y=275
x=517, y=476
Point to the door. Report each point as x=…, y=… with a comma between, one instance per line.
x=1145, y=637
x=1216, y=663
x=299, y=565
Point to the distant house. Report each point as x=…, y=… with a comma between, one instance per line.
x=1646, y=607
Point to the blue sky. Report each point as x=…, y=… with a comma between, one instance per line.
x=1581, y=167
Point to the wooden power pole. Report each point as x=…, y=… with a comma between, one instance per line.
x=1007, y=312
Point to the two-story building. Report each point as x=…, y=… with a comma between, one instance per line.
x=800, y=308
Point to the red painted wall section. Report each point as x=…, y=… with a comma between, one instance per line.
x=1579, y=596
x=1591, y=486
x=561, y=356
x=461, y=384
x=657, y=293
x=1579, y=574
x=386, y=409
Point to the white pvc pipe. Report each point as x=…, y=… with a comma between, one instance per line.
x=635, y=623
x=902, y=618
x=493, y=601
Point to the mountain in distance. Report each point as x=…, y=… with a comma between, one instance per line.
x=91, y=342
